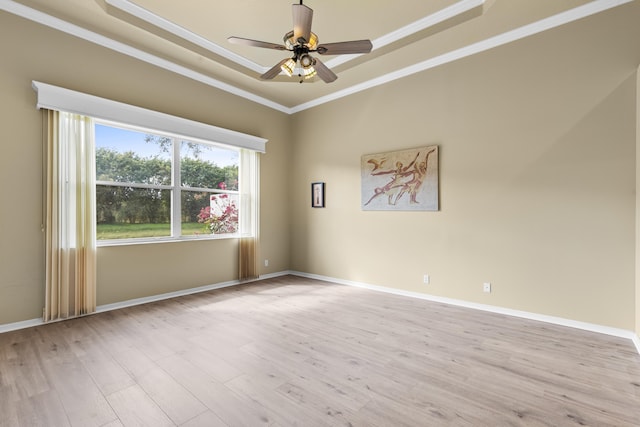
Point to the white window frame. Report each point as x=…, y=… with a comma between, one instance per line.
x=175, y=188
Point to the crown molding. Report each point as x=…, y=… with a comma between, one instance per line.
x=129, y=7
x=563, y=18
x=429, y=21
x=554, y=21
x=175, y=29
x=74, y=30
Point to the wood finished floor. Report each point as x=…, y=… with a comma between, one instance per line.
x=294, y=351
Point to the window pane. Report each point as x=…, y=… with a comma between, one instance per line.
x=127, y=160
x=128, y=156
x=129, y=213
x=208, y=166
x=208, y=213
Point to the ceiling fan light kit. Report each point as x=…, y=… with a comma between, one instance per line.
x=302, y=41
x=289, y=67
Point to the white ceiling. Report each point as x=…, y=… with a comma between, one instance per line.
x=189, y=37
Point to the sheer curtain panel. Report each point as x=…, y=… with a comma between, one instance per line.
x=248, y=244
x=70, y=216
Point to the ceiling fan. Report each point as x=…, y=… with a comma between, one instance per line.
x=301, y=41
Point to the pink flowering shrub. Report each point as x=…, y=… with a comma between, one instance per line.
x=221, y=216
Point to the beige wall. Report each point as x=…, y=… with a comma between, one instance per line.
x=538, y=175
x=124, y=272
x=537, y=180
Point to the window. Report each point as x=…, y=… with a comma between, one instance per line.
x=160, y=192
x=152, y=185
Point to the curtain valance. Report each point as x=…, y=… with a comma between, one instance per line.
x=61, y=99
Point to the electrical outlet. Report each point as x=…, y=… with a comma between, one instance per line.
x=266, y=263
x=425, y=279
x=486, y=287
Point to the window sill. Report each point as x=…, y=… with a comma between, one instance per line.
x=154, y=240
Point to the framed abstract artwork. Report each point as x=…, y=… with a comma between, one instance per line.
x=405, y=180
x=317, y=195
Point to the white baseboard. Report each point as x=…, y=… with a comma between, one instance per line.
x=168, y=295
x=132, y=302
x=636, y=340
x=8, y=327
x=273, y=275
x=616, y=332
x=622, y=333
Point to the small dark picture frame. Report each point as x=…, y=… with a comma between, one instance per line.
x=317, y=194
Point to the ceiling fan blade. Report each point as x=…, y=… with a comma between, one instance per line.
x=302, y=18
x=256, y=43
x=324, y=72
x=342, y=48
x=273, y=71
